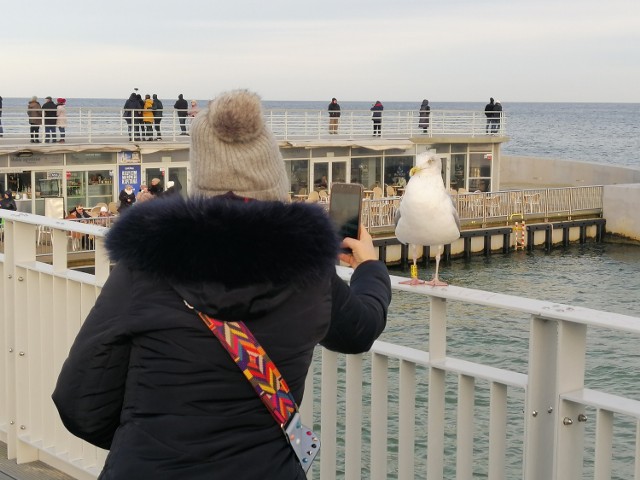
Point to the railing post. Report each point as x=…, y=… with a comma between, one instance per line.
x=379, y=414
x=89, y=128
x=20, y=246
x=353, y=418
x=541, y=401
x=572, y=341
x=437, y=388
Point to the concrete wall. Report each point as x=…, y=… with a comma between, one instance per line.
x=621, y=209
x=531, y=172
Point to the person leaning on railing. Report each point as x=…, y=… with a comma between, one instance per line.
x=146, y=378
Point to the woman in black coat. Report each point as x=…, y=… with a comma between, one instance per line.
x=145, y=376
x=127, y=198
x=425, y=112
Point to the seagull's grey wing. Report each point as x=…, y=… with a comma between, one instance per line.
x=456, y=217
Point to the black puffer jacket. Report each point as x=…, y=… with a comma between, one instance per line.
x=147, y=379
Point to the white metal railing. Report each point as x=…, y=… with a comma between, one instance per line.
x=440, y=411
x=104, y=124
x=500, y=207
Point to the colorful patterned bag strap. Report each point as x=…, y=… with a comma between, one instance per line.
x=256, y=366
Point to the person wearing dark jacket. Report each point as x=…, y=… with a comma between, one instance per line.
x=34, y=112
x=7, y=202
x=157, y=115
x=334, y=116
x=488, y=112
x=497, y=116
x=182, y=108
x=50, y=111
x=145, y=376
x=376, y=116
x=127, y=198
x=425, y=112
x=129, y=113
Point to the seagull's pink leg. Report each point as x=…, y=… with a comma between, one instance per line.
x=435, y=281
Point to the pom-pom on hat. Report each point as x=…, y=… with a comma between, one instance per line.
x=232, y=149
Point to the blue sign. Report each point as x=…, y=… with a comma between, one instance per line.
x=129, y=175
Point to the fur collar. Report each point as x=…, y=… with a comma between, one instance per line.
x=225, y=240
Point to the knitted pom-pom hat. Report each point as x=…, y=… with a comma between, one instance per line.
x=232, y=149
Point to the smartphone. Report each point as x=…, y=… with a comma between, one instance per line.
x=345, y=208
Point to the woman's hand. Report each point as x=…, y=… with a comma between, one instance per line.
x=361, y=250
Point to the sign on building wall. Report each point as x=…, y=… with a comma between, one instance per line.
x=129, y=175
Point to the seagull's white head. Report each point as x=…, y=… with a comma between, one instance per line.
x=426, y=164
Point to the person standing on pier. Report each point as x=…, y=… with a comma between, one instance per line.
x=376, y=116
x=334, y=115
x=182, y=108
x=147, y=119
x=61, y=120
x=128, y=114
x=488, y=112
x=50, y=113
x=157, y=115
x=34, y=112
x=147, y=379
x=425, y=112
x=497, y=116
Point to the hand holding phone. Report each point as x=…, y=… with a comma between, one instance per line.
x=345, y=208
x=362, y=250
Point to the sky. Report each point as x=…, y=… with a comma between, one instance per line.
x=392, y=50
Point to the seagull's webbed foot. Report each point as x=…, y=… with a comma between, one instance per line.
x=436, y=282
x=413, y=281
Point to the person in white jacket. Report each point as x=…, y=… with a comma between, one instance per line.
x=61, y=121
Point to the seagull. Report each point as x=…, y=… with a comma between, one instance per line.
x=427, y=215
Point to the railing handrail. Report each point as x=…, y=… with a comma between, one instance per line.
x=94, y=124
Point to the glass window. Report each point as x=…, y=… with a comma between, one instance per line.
x=367, y=171
x=298, y=173
x=480, y=172
x=320, y=175
x=396, y=170
x=48, y=184
x=458, y=170
x=99, y=187
x=479, y=165
x=76, y=189
x=338, y=172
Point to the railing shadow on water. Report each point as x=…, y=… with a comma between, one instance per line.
x=474, y=384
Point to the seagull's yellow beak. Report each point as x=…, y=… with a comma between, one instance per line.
x=414, y=170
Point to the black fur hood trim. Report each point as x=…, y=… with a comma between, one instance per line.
x=225, y=240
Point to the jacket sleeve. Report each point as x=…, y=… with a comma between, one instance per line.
x=90, y=388
x=359, y=311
